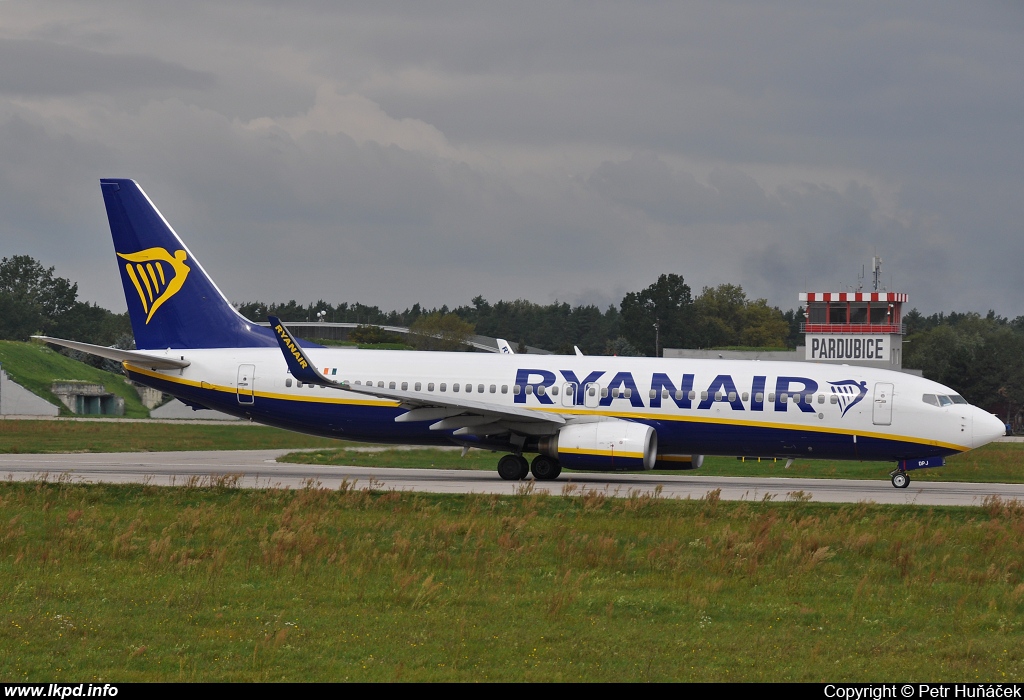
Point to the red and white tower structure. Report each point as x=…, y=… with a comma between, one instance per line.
x=858, y=328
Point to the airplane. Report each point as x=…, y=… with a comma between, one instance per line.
x=580, y=412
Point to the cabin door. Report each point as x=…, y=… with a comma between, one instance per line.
x=881, y=413
x=244, y=387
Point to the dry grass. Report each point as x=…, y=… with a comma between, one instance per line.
x=211, y=582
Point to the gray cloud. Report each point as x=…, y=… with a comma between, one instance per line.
x=35, y=67
x=404, y=153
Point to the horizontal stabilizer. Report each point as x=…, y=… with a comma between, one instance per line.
x=139, y=359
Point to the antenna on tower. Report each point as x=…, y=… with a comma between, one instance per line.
x=876, y=271
x=860, y=280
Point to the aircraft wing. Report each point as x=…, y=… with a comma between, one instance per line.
x=467, y=416
x=140, y=359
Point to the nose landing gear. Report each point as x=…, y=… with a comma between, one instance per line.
x=900, y=478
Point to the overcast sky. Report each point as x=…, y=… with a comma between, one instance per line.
x=394, y=153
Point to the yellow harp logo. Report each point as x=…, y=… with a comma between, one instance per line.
x=154, y=282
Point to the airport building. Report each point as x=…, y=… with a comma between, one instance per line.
x=847, y=328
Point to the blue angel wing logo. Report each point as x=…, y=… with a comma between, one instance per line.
x=849, y=392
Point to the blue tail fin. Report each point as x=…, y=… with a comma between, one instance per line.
x=172, y=302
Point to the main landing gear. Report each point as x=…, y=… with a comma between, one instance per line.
x=516, y=468
x=900, y=478
x=513, y=468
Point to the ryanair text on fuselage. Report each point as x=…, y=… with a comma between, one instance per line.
x=623, y=387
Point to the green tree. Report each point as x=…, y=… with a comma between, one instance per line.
x=437, y=331
x=666, y=304
x=32, y=299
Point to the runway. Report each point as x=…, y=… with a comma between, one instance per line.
x=258, y=469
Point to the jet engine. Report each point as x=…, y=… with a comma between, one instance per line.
x=678, y=462
x=603, y=445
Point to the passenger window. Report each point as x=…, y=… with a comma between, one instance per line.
x=493, y=388
x=604, y=392
x=833, y=399
x=628, y=393
x=416, y=386
x=515, y=390
x=391, y=385
x=771, y=398
x=443, y=386
x=783, y=397
x=288, y=382
x=380, y=385
x=541, y=390
x=298, y=385
x=693, y=395
x=821, y=398
x=745, y=396
x=652, y=394
x=480, y=389
x=358, y=383
x=719, y=396
x=504, y=388
x=529, y=389
x=732, y=396
x=455, y=386
x=703, y=396
x=405, y=386
x=430, y=386
x=615, y=393
x=554, y=391
x=592, y=391
x=679, y=395
x=759, y=397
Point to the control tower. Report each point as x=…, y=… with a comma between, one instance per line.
x=861, y=328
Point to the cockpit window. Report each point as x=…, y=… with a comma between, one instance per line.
x=930, y=399
x=957, y=398
x=945, y=400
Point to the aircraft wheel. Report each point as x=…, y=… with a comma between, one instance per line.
x=900, y=480
x=545, y=468
x=524, y=467
x=511, y=467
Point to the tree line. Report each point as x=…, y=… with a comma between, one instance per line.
x=980, y=356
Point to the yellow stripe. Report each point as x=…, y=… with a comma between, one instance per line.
x=600, y=453
x=262, y=394
x=609, y=414
x=160, y=269
x=152, y=276
x=138, y=287
x=636, y=415
x=145, y=281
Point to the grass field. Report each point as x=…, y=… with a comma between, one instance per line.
x=38, y=436
x=994, y=463
x=35, y=367
x=139, y=583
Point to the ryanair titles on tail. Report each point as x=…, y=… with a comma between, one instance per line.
x=537, y=383
x=291, y=346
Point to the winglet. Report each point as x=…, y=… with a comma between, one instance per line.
x=504, y=348
x=301, y=367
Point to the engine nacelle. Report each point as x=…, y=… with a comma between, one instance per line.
x=678, y=462
x=603, y=446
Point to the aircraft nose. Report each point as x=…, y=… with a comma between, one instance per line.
x=987, y=428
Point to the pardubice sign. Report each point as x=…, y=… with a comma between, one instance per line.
x=848, y=347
